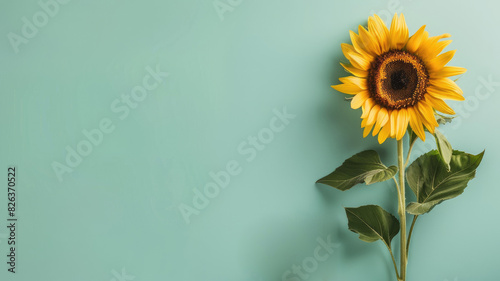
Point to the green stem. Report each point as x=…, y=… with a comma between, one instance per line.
x=394, y=262
x=402, y=209
x=397, y=185
x=409, y=153
x=409, y=235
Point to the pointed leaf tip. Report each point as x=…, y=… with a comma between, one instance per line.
x=444, y=148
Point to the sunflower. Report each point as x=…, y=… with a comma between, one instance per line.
x=398, y=80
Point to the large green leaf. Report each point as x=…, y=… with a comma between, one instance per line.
x=362, y=167
x=432, y=183
x=444, y=148
x=372, y=223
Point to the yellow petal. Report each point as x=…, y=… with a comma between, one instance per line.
x=354, y=57
x=447, y=85
x=432, y=50
x=416, y=123
x=363, y=123
x=384, y=133
x=369, y=41
x=355, y=71
x=439, y=105
x=359, y=99
x=427, y=115
x=372, y=117
x=440, y=61
x=402, y=123
x=415, y=40
x=444, y=94
x=349, y=89
x=352, y=85
x=399, y=32
x=444, y=83
x=384, y=31
x=393, y=119
x=431, y=47
x=438, y=47
x=367, y=130
x=360, y=82
x=448, y=71
x=367, y=106
x=382, y=118
x=347, y=49
x=356, y=42
x=358, y=45
x=359, y=61
x=380, y=32
x=429, y=127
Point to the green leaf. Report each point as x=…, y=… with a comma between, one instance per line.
x=415, y=208
x=372, y=223
x=443, y=119
x=362, y=167
x=444, y=148
x=432, y=183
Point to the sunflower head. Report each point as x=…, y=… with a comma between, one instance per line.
x=397, y=80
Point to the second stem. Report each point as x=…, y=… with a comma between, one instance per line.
x=402, y=209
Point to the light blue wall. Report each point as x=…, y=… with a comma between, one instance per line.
x=228, y=74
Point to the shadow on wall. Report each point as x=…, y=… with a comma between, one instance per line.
x=291, y=247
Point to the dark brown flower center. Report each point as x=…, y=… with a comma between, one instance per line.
x=397, y=79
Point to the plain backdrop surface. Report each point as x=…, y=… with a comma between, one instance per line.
x=232, y=73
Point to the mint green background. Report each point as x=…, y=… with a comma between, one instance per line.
x=119, y=207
